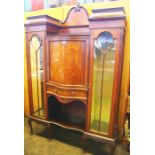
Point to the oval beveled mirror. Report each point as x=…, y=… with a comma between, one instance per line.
x=105, y=41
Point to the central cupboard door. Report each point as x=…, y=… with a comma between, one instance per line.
x=68, y=60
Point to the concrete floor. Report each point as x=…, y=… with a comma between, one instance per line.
x=64, y=142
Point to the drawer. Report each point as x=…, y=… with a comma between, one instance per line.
x=66, y=92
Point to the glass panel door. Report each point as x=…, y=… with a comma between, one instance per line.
x=103, y=76
x=36, y=59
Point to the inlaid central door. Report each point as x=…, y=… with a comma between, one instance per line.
x=68, y=60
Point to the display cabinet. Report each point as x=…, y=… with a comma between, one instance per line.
x=74, y=71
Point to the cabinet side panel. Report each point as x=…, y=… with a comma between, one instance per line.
x=26, y=92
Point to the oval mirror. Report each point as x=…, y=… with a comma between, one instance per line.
x=105, y=41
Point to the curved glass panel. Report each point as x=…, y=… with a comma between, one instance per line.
x=104, y=41
x=103, y=76
x=36, y=58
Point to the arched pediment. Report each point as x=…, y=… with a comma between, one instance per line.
x=77, y=16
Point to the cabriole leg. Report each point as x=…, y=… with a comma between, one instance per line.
x=84, y=143
x=30, y=125
x=113, y=147
x=49, y=132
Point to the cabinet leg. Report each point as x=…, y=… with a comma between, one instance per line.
x=49, y=132
x=113, y=147
x=84, y=143
x=30, y=125
x=128, y=147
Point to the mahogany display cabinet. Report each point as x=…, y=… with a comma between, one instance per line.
x=74, y=71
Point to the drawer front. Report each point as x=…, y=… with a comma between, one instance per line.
x=67, y=92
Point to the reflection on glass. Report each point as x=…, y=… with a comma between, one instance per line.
x=36, y=57
x=104, y=41
x=103, y=74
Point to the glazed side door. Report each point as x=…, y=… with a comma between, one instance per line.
x=105, y=78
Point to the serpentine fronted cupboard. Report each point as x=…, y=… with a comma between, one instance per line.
x=74, y=71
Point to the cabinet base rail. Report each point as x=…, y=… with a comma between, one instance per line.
x=85, y=136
